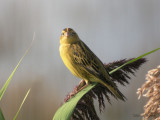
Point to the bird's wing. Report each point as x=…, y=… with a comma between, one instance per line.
x=85, y=58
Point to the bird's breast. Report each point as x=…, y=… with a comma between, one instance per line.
x=66, y=54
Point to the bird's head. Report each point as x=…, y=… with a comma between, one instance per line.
x=68, y=36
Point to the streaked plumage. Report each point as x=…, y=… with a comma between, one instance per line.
x=83, y=63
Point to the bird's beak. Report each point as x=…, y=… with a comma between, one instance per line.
x=67, y=34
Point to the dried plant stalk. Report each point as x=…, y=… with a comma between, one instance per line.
x=151, y=90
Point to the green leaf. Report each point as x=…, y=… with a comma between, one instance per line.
x=69, y=106
x=2, y=91
x=66, y=110
x=133, y=60
x=1, y=115
x=21, y=104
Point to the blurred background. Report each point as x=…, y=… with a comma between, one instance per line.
x=112, y=29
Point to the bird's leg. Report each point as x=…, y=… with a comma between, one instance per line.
x=82, y=85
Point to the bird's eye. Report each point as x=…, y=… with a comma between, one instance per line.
x=62, y=34
x=73, y=33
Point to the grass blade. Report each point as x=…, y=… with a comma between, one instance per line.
x=1, y=115
x=134, y=60
x=66, y=110
x=21, y=104
x=2, y=91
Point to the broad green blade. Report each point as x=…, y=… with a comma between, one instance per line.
x=66, y=110
x=1, y=115
x=21, y=104
x=2, y=91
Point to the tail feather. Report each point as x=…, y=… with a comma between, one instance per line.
x=114, y=90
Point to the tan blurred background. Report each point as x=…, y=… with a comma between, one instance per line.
x=113, y=29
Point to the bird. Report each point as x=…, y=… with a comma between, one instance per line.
x=83, y=63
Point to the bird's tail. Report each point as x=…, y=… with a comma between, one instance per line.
x=114, y=90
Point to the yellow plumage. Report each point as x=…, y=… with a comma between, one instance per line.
x=83, y=63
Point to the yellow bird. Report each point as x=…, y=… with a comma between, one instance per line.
x=83, y=63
